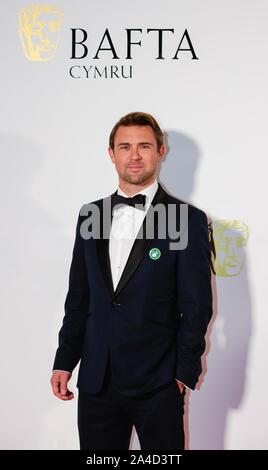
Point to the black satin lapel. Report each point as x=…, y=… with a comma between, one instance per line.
x=102, y=246
x=140, y=244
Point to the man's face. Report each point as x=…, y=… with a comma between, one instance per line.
x=135, y=154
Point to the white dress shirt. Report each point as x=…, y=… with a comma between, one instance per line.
x=126, y=223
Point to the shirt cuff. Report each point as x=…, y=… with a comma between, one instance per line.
x=60, y=370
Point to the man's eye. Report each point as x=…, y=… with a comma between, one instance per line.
x=144, y=146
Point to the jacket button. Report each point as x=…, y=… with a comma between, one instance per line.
x=115, y=303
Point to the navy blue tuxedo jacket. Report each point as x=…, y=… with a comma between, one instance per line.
x=153, y=325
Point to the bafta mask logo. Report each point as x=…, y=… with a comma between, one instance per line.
x=39, y=29
x=230, y=237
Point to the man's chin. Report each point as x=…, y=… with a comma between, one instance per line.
x=136, y=179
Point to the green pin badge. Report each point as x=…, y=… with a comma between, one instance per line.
x=155, y=253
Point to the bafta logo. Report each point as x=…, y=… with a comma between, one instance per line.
x=231, y=237
x=39, y=29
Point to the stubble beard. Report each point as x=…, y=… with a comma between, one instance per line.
x=137, y=179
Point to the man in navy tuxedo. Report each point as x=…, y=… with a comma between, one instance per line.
x=137, y=310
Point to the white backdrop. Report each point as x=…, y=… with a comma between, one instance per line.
x=54, y=136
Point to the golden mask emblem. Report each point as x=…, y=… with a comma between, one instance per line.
x=231, y=237
x=39, y=29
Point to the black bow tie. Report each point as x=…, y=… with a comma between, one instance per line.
x=139, y=199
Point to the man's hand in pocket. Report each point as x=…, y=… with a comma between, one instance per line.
x=181, y=386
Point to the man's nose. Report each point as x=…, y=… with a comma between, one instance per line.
x=135, y=155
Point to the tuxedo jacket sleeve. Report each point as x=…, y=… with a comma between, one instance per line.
x=195, y=299
x=76, y=306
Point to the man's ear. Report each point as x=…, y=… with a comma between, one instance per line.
x=111, y=153
x=162, y=152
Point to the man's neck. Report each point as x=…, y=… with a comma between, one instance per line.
x=130, y=189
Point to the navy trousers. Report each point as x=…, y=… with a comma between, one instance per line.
x=105, y=420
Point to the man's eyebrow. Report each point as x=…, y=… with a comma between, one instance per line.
x=139, y=143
